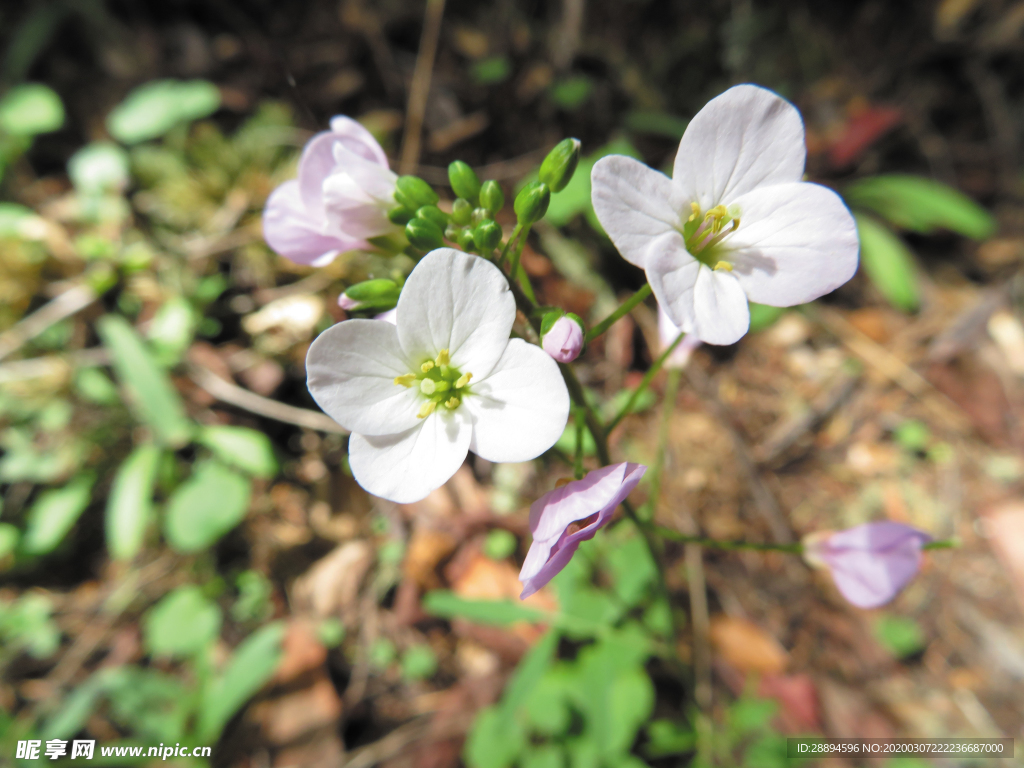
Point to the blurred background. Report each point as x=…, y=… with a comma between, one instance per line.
x=185, y=557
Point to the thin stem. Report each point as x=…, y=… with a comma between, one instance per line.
x=671, y=390
x=795, y=548
x=651, y=373
x=626, y=307
x=508, y=243
x=578, y=464
x=942, y=544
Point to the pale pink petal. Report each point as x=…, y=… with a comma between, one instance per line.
x=564, y=341
x=290, y=230
x=721, y=312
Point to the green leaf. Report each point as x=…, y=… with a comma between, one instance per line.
x=571, y=93
x=151, y=110
x=656, y=123
x=419, y=663
x=495, y=69
x=172, y=329
x=152, y=396
x=206, y=506
x=251, y=666
x=665, y=737
x=630, y=703
x=9, y=536
x=547, y=710
x=30, y=109
x=243, y=448
x=634, y=571
x=901, y=635
x=130, y=504
x=921, y=205
x=54, y=513
x=888, y=264
x=99, y=167
x=94, y=386
x=500, y=544
x=543, y=756
x=182, y=624
x=529, y=672
x=495, y=741
x=762, y=315
x=448, y=605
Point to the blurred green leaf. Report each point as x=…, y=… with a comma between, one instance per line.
x=182, y=624
x=252, y=664
x=543, y=756
x=747, y=715
x=901, y=635
x=331, y=632
x=913, y=435
x=633, y=570
x=26, y=624
x=94, y=386
x=244, y=448
x=529, y=673
x=630, y=703
x=254, y=593
x=9, y=536
x=572, y=92
x=206, y=506
x=30, y=109
x=448, y=605
x=154, y=398
x=547, y=710
x=19, y=221
x=382, y=652
x=54, y=513
x=130, y=503
x=762, y=316
x=656, y=123
x=495, y=741
x=921, y=205
x=888, y=264
x=495, y=69
x=666, y=737
x=499, y=544
x=151, y=110
x=171, y=330
x=99, y=167
x=419, y=663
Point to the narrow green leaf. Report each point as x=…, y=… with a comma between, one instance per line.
x=152, y=395
x=206, y=506
x=448, y=605
x=130, y=504
x=30, y=109
x=529, y=672
x=244, y=448
x=888, y=264
x=151, y=110
x=251, y=666
x=183, y=623
x=921, y=205
x=54, y=513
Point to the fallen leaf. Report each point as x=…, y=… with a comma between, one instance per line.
x=331, y=585
x=285, y=719
x=302, y=651
x=746, y=646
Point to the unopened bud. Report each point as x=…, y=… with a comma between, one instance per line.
x=380, y=293
x=532, y=202
x=558, y=167
x=465, y=183
x=424, y=234
x=434, y=214
x=400, y=215
x=462, y=211
x=563, y=339
x=413, y=192
x=491, y=196
x=487, y=235
x=480, y=215
x=466, y=240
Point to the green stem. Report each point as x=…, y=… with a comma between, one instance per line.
x=671, y=390
x=626, y=307
x=508, y=244
x=518, y=251
x=942, y=544
x=651, y=373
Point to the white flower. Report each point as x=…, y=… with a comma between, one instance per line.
x=735, y=222
x=443, y=380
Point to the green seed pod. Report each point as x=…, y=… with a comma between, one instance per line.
x=491, y=196
x=532, y=202
x=487, y=235
x=424, y=234
x=434, y=214
x=416, y=191
x=466, y=240
x=465, y=183
x=462, y=211
x=373, y=290
x=399, y=215
x=560, y=164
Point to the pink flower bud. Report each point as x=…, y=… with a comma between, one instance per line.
x=347, y=303
x=871, y=563
x=564, y=341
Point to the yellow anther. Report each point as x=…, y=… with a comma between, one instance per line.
x=427, y=366
x=463, y=380
x=406, y=380
x=428, y=386
x=695, y=212
x=718, y=212
x=452, y=403
x=725, y=266
x=442, y=357
x=426, y=409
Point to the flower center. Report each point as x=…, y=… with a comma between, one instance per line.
x=704, y=233
x=439, y=382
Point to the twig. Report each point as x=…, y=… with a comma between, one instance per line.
x=420, y=88
x=39, y=367
x=51, y=313
x=262, y=406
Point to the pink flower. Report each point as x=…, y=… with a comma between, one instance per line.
x=564, y=341
x=871, y=563
x=563, y=518
x=340, y=199
x=667, y=332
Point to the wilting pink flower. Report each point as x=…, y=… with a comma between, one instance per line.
x=561, y=519
x=340, y=199
x=564, y=341
x=667, y=332
x=871, y=563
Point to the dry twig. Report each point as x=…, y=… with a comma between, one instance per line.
x=420, y=89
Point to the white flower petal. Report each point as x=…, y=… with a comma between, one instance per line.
x=350, y=370
x=721, y=314
x=795, y=242
x=296, y=234
x=458, y=302
x=635, y=203
x=745, y=138
x=672, y=273
x=406, y=467
x=521, y=408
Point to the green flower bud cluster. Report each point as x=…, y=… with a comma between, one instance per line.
x=471, y=224
x=555, y=173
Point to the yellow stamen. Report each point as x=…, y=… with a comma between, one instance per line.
x=426, y=409
x=442, y=357
x=406, y=380
x=463, y=380
x=725, y=266
x=695, y=212
x=427, y=366
x=452, y=403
